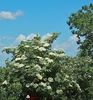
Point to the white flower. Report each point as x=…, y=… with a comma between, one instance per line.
x=66, y=76
x=46, y=44
x=89, y=76
x=26, y=46
x=52, y=54
x=36, y=47
x=39, y=76
x=73, y=81
x=21, y=65
x=5, y=82
x=49, y=87
x=65, y=79
x=17, y=59
x=18, y=65
x=37, y=67
x=23, y=57
x=57, y=55
x=32, y=84
x=45, y=79
x=44, y=62
x=39, y=57
x=27, y=85
x=35, y=85
x=78, y=87
x=50, y=79
x=41, y=49
x=49, y=60
x=70, y=85
x=42, y=84
x=59, y=91
x=27, y=66
x=57, y=79
x=61, y=55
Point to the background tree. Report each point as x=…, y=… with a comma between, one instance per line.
x=82, y=69
x=81, y=24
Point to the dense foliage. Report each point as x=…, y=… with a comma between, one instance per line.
x=36, y=69
x=81, y=24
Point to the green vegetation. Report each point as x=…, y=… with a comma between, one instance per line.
x=37, y=69
x=81, y=24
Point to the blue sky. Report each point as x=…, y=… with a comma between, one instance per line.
x=19, y=18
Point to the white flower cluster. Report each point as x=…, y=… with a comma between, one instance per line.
x=48, y=60
x=27, y=66
x=39, y=57
x=50, y=79
x=23, y=57
x=39, y=76
x=66, y=76
x=5, y=82
x=17, y=59
x=42, y=60
x=43, y=84
x=59, y=91
x=78, y=87
x=27, y=85
x=36, y=47
x=26, y=46
x=19, y=65
x=35, y=85
x=37, y=67
x=52, y=54
x=49, y=87
x=41, y=49
x=57, y=79
x=61, y=55
x=46, y=45
x=70, y=85
x=57, y=55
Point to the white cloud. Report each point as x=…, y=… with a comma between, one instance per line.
x=73, y=38
x=46, y=35
x=69, y=44
x=31, y=36
x=8, y=15
x=21, y=37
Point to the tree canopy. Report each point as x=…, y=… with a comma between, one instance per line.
x=81, y=24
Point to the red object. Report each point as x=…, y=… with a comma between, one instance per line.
x=34, y=98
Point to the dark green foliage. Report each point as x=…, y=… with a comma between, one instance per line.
x=81, y=24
